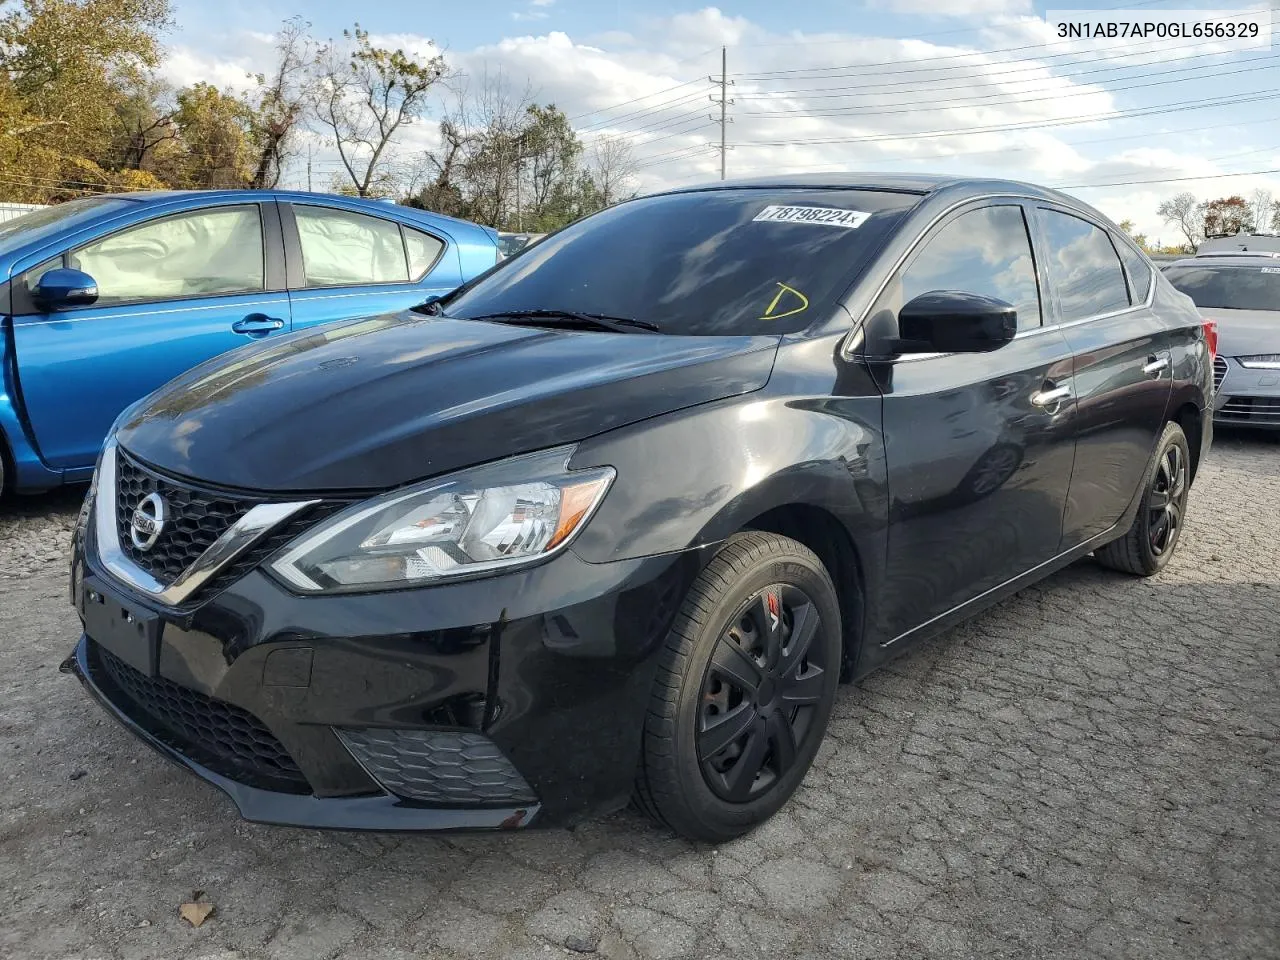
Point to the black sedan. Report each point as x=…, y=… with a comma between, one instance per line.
x=612, y=520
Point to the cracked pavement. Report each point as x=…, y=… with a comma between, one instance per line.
x=1087, y=770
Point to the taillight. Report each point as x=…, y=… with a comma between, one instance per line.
x=1211, y=337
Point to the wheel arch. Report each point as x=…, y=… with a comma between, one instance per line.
x=1191, y=419
x=824, y=534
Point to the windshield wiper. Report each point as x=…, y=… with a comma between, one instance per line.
x=596, y=321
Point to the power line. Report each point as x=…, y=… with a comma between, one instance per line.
x=1221, y=101
x=1005, y=99
x=923, y=86
x=1134, y=183
x=625, y=103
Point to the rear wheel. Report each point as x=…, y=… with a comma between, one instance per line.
x=1150, y=541
x=744, y=691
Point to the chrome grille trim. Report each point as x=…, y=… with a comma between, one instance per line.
x=1219, y=372
x=238, y=538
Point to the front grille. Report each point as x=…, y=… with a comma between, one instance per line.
x=452, y=768
x=196, y=519
x=216, y=734
x=1260, y=410
x=1219, y=372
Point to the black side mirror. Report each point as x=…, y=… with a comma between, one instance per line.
x=61, y=288
x=950, y=321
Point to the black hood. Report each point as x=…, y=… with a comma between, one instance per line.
x=381, y=402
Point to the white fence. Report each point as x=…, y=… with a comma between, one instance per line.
x=10, y=210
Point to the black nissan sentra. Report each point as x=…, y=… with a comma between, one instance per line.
x=612, y=520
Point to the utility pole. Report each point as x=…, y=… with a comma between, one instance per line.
x=310, y=148
x=724, y=82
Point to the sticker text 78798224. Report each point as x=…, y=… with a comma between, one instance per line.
x=821, y=216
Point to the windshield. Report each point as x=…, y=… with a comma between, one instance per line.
x=718, y=262
x=1230, y=288
x=38, y=224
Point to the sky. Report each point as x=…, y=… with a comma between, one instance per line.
x=965, y=87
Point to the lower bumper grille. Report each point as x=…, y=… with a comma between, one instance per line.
x=216, y=734
x=451, y=768
x=1264, y=411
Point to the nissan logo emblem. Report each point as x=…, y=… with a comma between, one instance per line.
x=148, y=521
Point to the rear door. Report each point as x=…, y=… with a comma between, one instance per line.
x=979, y=445
x=345, y=264
x=1123, y=373
x=173, y=290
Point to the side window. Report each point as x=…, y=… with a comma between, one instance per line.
x=985, y=251
x=211, y=252
x=340, y=248
x=1139, y=271
x=423, y=250
x=1083, y=267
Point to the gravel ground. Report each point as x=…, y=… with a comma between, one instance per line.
x=1088, y=770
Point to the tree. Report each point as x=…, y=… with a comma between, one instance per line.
x=66, y=69
x=1227, y=216
x=1187, y=214
x=363, y=95
x=1260, y=209
x=279, y=102
x=214, y=126
x=1275, y=216
x=612, y=167
x=1139, y=238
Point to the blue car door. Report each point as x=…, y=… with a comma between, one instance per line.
x=345, y=264
x=173, y=290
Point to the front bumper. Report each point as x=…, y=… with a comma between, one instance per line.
x=537, y=682
x=1248, y=397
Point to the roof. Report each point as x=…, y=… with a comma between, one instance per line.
x=921, y=184
x=1230, y=260
x=301, y=196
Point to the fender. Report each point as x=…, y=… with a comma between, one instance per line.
x=791, y=443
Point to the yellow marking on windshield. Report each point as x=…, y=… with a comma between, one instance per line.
x=783, y=290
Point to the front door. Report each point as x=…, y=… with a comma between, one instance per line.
x=979, y=447
x=344, y=265
x=1123, y=375
x=172, y=292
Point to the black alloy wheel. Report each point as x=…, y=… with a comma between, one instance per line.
x=744, y=689
x=1167, y=501
x=759, y=693
x=1151, y=539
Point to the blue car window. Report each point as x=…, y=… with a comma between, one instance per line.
x=423, y=249
x=340, y=248
x=207, y=253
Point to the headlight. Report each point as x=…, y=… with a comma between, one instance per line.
x=1263, y=361
x=495, y=517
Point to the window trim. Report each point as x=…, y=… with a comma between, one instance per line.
x=24, y=305
x=1106, y=232
x=296, y=273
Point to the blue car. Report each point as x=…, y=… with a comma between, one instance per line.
x=106, y=298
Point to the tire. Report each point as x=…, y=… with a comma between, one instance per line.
x=1149, y=543
x=737, y=651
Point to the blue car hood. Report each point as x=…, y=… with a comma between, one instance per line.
x=382, y=402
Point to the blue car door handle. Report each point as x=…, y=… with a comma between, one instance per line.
x=258, y=325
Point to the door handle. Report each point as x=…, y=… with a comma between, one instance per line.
x=1154, y=366
x=257, y=324
x=1051, y=398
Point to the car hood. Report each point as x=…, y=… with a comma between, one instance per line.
x=1243, y=333
x=381, y=402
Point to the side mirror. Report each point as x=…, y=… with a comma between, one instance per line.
x=950, y=321
x=61, y=288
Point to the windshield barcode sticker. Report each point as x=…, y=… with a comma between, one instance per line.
x=824, y=216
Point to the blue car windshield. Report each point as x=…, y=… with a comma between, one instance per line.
x=711, y=262
x=39, y=224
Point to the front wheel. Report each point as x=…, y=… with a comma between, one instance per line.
x=1150, y=541
x=744, y=690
